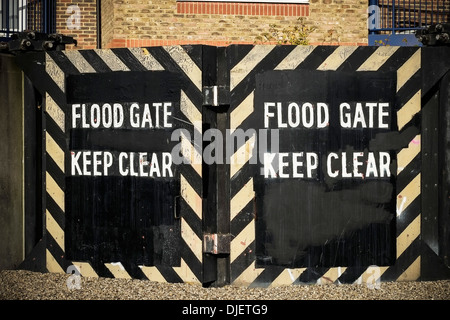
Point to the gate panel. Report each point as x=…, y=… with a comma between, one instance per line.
x=109, y=222
x=246, y=65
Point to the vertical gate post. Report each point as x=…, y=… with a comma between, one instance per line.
x=444, y=173
x=33, y=106
x=34, y=84
x=435, y=129
x=216, y=183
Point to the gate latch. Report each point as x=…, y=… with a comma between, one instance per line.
x=216, y=96
x=216, y=243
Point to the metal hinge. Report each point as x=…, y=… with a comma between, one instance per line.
x=216, y=243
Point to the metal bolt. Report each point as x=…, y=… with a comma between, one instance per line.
x=424, y=39
x=48, y=45
x=55, y=36
x=25, y=44
x=443, y=37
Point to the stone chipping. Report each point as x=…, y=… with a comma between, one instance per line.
x=27, y=285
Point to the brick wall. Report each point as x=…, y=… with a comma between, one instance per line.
x=165, y=22
x=339, y=21
x=86, y=32
x=131, y=23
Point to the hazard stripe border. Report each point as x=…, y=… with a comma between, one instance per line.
x=58, y=64
x=251, y=61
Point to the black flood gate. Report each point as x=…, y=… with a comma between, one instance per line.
x=334, y=160
x=123, y=182
x=250, y=165
x=122, y=177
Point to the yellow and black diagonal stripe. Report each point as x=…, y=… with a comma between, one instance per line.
x=177, y=59
x=245, y=63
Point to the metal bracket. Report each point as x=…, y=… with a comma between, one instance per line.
x=216, y=243
x=216, y=96
x=176, y=207
x=36, y=41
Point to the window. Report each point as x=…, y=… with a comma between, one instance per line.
x=13, y=16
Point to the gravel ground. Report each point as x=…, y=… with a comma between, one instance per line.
x=26, y=285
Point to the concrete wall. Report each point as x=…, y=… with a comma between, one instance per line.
x=11, y=164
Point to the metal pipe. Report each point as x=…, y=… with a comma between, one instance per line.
x=44, y=20
x=20, y=16
x=415, y=21
x=99, y=24
x=432, y=12
x=420, y=13
x=393, y=16
x=54, y=17
x=14, y=17
x=404, y=14
x=7, y=19
x=36, y=13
